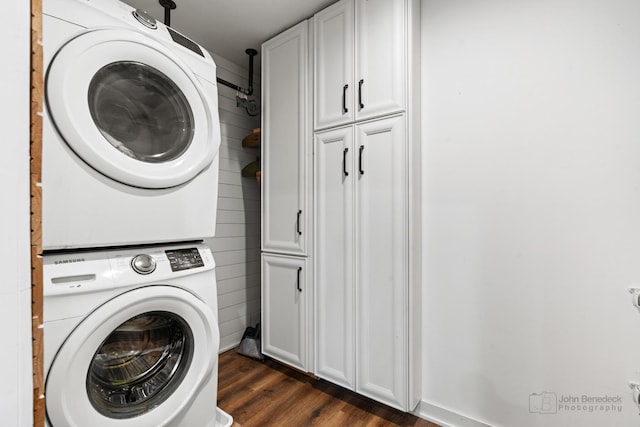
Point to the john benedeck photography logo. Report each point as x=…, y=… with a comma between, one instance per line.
x=548, y=402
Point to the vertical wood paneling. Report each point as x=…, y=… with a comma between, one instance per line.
x=37, y=101
x=236, y=247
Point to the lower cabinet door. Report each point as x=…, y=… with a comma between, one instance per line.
x=381, y=262
x=360, y=259
x=333, y=257
x=283, y=309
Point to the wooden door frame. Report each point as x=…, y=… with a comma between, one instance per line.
x=37, y=104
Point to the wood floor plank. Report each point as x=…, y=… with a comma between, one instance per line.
x=267, y=393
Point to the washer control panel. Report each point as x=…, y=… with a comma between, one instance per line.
x=143, y=264
x=184, y=259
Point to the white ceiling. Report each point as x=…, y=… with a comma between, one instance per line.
x=228, y=27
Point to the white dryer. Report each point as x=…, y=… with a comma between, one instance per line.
x=131, y=338
x=131, y=130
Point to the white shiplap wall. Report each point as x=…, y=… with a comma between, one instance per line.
x=236, y=247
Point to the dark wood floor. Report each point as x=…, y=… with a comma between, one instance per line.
x=269, y=394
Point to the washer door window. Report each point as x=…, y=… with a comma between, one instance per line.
x=131, y=109
x=139, y=365
x=137, y=360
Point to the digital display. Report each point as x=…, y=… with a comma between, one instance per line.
x=184, y=259
x=183, y=41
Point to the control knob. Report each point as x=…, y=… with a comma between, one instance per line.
x=143, y=264
x=145, y=19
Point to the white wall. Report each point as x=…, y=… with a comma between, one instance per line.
x=236, y=247
x=531, y=196
x=15, y=286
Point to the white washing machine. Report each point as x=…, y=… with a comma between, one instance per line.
x=131, y=130
x=131, y=338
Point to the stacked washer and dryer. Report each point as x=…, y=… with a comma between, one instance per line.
x=130, y=176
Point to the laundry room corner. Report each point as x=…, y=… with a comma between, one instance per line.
x=236, y=247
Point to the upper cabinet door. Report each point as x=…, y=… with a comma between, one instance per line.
x=380, y=57
x=333, y=54
x=360, y=61
x=285, y=142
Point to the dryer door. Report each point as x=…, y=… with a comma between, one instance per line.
x=131, y=109
x=138, y=360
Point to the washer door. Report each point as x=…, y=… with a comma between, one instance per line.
x=131, y=109
x=138, y=360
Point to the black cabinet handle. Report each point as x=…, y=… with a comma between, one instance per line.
x=344, y=99
x=298, y=224
x=360, y=160
x=298, y=285
x=344, y=162
x=360, y=83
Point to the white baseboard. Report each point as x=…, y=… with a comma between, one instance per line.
x=228, y=347
x=444, y=417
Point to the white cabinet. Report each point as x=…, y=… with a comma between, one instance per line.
x=286, y=140
x=286, y=192
x=356, y=319
x=284, y=290
x=382, y=262
x=334, y=255
x=380, y=57
x=362, y=259
x=367, y=199
x=360, y=61
x=334, y=65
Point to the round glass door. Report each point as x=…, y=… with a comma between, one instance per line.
x=139, y=365
x=139, y=359
x=133, y=110
x=141, y=112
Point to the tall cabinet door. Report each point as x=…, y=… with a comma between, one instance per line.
x=380, y=57
x=333, y=53
x=334, y=256
x=381, y=266
x=283, y=309
x=285, y=160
